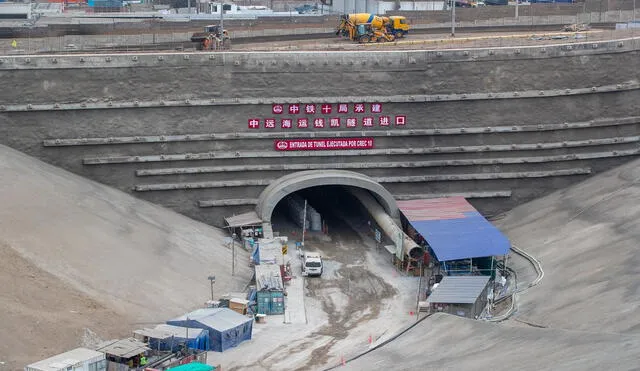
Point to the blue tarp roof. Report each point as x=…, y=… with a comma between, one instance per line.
x=454, y=229
x=220, y=319
x=226, y=328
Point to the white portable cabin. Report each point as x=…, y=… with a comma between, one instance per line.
x=79, y=359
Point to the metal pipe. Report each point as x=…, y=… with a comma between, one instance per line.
x=389, y=227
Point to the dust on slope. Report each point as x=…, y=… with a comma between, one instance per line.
x=587, y=238
x=41, y=316
x=109, y=250
x=446, y=342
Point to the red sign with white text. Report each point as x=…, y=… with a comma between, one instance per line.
x=322, y=144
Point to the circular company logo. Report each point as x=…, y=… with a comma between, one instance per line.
x=282, y=145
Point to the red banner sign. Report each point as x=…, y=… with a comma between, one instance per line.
x=322, y=144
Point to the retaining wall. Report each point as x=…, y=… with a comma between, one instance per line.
x=500, y=126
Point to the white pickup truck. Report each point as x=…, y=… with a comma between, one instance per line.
x=311, y=264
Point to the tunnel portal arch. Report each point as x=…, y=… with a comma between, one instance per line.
x=294, y=182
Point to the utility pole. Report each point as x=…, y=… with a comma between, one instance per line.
x=304, y=221
x=453, y=18
x=213, y=280
x=517, y=5
x=420, y=271
x=222, y=19
x=233, y=254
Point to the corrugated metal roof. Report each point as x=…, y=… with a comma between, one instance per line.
x=124, y=348
x=66, y=359
x=268, y=277
x=454, y=229
x=244, y=220
x=168, y=331
x=459, y=289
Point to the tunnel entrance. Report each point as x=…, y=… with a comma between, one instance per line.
x=294, y=182
x=328, y=188
x=340, y=214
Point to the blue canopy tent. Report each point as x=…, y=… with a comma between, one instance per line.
x=454, y=229
x=226, y=328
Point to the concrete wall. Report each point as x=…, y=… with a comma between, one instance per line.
x=501, y=126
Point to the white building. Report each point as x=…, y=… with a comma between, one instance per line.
x=382, y=6
x=79, y=359
x=15, y=11
x=211, y=7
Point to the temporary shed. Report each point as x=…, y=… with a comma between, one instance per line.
x=226, y=328
x=79, y=359
x=465, y=296
x=170, y=338
x=124, y=351
x=243, y=220
x=270, y=290
x=454, y=229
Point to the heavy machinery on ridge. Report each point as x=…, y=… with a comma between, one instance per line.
x=213, y=38
x=376, y=28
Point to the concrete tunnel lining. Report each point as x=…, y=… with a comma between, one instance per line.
x=291, y=183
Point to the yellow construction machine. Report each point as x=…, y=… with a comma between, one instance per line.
x=367, y=33
x=213, y=38
x=374, y=28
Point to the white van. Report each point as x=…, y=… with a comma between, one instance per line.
x=311, y=264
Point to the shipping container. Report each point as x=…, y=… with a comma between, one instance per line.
x=270, y=289
x=270, y=302
x=105, y=3
x=79, y=359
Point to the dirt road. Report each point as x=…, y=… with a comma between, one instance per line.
x=358, y=299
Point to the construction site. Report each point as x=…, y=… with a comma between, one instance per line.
x=315, y=187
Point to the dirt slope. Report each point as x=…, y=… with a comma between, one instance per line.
x=41, y=316
x=445, y=342
x=69, y=244
x=587, y=239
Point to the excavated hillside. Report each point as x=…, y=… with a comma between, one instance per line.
x=587, y=238
x=582, y=314
x=76, y=255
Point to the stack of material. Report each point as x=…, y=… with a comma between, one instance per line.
x=269, y=278
x=239, y=305
x=296, y=206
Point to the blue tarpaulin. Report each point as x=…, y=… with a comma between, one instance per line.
x=454, y=229
x=171, y=338
x=226, y=328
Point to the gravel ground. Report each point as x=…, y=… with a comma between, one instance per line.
x=444, y=41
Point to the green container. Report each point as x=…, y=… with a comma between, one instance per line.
x=270, y=302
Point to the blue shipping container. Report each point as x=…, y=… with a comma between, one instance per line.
x=105, y=3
